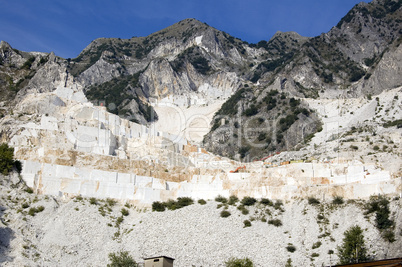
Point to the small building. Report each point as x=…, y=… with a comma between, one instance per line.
x=161, y=261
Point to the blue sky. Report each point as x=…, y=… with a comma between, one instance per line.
x=67, y=27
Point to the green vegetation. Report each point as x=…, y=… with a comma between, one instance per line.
x=158, y=206
x=246, y=223
x=397, y=123
x=289, y=263
x=272, y=65
x=270, y=99
x=275, y=222
x=124, y=212
x=221, y=199
x=380, y=205
x=117, y=93
x=172, y=204
x=236, y=262
x=7, y=162
x=230, y=106
x=316, y=245
x=291, y=248
x=28, y=64
x=233, y=200
x=338, y=200
x=248, y=201
x=111, y=202
x=225, y=214
x=315, y=255
x=202, y=202
x=32, y=211
x=352, y=249
x=279, y=205
x=93, y=201
x=194, y=56
x=121, y=259
x=313, y=201
x=251, y=111
x=243, y=151
x=266, y=202
x=200, y=64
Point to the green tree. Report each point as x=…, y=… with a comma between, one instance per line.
x=121, y=259
x=353, y=249
x=235, y=262
x=7, y=162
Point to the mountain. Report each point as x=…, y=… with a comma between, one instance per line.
x=193, y=63
x=358, y=57
x=255, y=99
x=307, y=129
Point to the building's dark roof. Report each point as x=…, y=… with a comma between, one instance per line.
x=396, y=262
x=150, y=258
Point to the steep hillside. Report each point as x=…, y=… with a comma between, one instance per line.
x=42, y=230
x=359, y=57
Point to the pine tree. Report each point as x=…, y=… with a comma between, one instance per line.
x=6, y=159
x=353, y=249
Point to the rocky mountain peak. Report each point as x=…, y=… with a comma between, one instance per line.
x=4, y=45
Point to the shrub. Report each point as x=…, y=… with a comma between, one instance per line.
x=184, y=201
x=278, y=205
x=235, y=262
x=40, y=209
x=247, y=223
x=315, y=255
x=389, y=236
x=225, y=214
x=221, y=199
x=93, y=201
x=313, y=201
x=379, y=205
x=158, y=206
x=338, y=200
x=29, y=190
x=245, y=211
x=7, y=162
x=202, y=202
x=121, y=259
x=291, y=248
x=354, y=147
x=27, y=64
x=111, y=202
x=275, y=222
x=34, y=210
x=119, y=220
x=397, y=123
x=248, y=201
x=316, y=245
x=233, y=200
x=289, y=263
x=25, y=205
x=266, y=201
x=171, y=204
x=252, y=110
x=124, y=212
